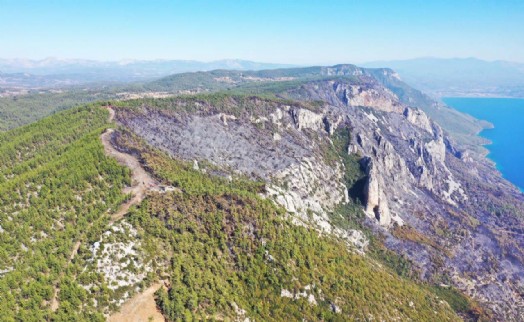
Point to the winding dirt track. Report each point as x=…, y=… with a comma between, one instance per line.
x=141, y=180
x=141, y=183
x=142, y=307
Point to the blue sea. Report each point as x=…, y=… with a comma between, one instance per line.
x=507, y=137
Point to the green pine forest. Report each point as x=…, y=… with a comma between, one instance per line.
x=222, y=250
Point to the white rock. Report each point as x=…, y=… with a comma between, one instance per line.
x=311, y=299
x=305, y=119
x=286, y=293
x=418, y=118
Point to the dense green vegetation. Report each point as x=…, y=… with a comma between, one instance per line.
x=227, y=79
x=55, y=187
x=348, y=215
x=24, y=109
x=199, y=81
x=219, y=102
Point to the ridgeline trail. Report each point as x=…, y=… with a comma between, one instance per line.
x=141, y=307
x=142, y=181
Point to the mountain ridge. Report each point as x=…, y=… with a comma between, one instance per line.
x=214, y=239
x=344, y=161
x=123, y=70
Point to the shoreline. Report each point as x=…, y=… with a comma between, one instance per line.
x=484, y=134
x=496, y=165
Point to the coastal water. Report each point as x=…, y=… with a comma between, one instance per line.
x=507, y=137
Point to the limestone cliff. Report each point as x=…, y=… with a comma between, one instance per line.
x=416, y=177
x=431, y=200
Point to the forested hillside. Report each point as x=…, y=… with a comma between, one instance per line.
x=322, y=192
x=56, y=187
x=234, y=254
x=222, y=251
x=231, y=134
x=20, y=110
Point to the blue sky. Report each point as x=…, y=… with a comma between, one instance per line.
x=284, y=31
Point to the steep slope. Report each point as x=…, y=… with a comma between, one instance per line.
x=226, y=251
x=21, y=109
x=462, y=201
x=56, y=186
x=234, y=255
x=456, y=205
x=431, y=202
x=328, y=197
x=464, y=128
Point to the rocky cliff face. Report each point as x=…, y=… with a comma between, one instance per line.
x=416, y=178
x=449, y=212
x=280, y=144
x=402, y=146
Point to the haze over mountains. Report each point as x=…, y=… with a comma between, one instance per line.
x=438, y=77
x=51, y=72
x=460, y=76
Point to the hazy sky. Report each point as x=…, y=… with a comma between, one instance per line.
x=283, y=31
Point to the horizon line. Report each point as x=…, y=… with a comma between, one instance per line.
x=131, y=60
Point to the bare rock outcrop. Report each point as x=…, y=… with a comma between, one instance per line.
x=306, y=119
x=280, y=145
x=455, y=199
x=365, y=95
x=376, y=202
x=418, y=118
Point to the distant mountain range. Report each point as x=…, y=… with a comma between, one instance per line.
x=460, y=76
x=435, y=76
x=29, y=73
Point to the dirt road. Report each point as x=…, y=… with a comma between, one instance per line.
x=141, y=180
x=140, y=308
